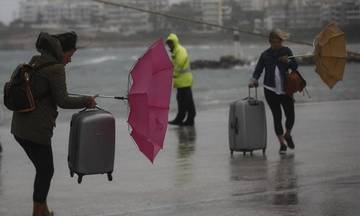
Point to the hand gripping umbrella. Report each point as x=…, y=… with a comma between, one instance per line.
x=329, y=54
x=149, y=99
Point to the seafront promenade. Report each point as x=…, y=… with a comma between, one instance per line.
x=195, y=175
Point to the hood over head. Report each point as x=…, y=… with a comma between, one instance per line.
x=67, y=40
x=50, y=46
x=174, y=38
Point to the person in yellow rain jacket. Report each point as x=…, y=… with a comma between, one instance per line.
x=182, y=81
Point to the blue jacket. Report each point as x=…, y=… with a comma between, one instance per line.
x=268, y=60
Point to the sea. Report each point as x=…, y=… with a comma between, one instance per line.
x=105, y=71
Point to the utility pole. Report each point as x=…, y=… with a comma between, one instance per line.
x=237, y=47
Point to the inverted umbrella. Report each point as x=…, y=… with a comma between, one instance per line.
x=149, y=99
x=329, y=54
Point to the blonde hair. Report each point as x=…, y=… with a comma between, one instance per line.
x=279, y=34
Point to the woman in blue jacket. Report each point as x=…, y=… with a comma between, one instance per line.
x=276, y=64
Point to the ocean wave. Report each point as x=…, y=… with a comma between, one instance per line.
x=199, y=47
x=134, y=57
x=97, y=60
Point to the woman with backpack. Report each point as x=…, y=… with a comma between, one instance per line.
x=34, y=130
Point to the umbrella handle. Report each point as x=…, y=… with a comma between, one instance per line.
x=121, y=98
x=299, y=56
x=86, y=108
x=101, y=96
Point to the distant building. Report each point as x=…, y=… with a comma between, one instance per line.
x=158, y=22
x=311, y=14
x=92, y=16
x=251, y=5
x=256, y=15
x=343, y=12
x=59, y=13
x=275, y=17
x=30, y=11
x=127, y=21
x=305, y=17
x=212, y=11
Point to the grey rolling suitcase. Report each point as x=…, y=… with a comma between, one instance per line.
x=247, y=125
x=92, y=143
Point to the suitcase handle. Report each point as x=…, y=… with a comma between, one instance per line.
x=252, y=101
x=256, y=95
x=96, y=107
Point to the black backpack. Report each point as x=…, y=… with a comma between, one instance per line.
x=18, y=95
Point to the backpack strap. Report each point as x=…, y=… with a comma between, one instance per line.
x=38, y=68
x=45, y=65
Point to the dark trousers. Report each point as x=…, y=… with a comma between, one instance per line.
x=186, y=106
x=42, y=158
x=275, y=102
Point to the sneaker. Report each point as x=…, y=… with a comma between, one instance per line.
x=289, y=141
x=283, y=149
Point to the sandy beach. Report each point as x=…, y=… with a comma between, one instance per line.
x=195, y=175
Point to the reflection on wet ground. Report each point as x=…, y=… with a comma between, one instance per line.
x=187, y=139
x=1, y=175
x=195, y=174
x=185, y=148
x=285, y=181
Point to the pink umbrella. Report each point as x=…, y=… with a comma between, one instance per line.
x=149, y=99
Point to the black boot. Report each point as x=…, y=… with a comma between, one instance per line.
x=175, y=122
x=188, y=123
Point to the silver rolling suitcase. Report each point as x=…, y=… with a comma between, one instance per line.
x=247, y=125
x=91, y=143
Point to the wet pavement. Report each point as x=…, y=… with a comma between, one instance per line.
x=195, y=175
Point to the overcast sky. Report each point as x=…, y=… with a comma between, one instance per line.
x=9, y=7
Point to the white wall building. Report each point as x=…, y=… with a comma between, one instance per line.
x=212, y=11
x=90, y=15
x=127, y=21
x=251, y=5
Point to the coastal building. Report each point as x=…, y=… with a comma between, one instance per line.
x=257, y=14
x=92, y=16
x=59, y=13
x=251, y=5
x=126, y=21
x=212, y=11
x=158, y=22
x=311, y=14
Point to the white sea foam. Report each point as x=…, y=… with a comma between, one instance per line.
x=97, y=60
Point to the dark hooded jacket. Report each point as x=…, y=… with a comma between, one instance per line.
x=269, y=60
x=49, y=88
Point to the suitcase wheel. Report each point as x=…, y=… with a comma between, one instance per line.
x=80, y=178
x=110, y=178
x=71, y=173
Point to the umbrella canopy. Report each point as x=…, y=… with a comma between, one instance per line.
x=330, y=54
x=149, y=99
